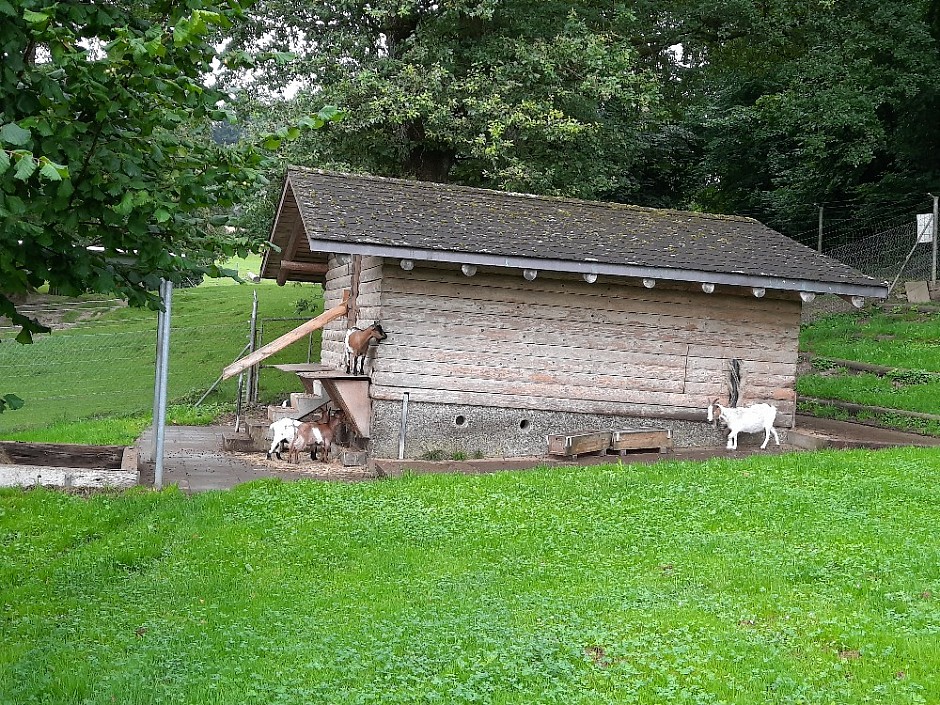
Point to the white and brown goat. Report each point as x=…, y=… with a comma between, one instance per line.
x=356, y=346
x=747, y=419
x=315, y=435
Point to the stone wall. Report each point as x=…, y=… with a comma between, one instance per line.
x=445, y=431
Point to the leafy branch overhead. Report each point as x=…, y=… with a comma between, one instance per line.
x=110, y=178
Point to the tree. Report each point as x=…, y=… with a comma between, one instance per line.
x=808, y=102
x=109, y=178
x=533, y=95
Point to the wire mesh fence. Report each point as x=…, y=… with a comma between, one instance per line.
x=889, y=254
x=101, y=361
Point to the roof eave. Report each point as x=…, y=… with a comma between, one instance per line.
x=878, y=291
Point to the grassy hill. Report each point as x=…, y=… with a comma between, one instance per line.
x=93, y=382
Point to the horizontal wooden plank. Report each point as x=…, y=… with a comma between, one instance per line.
x=578, y=443
x=537, y=389
x=512, y=376
x=545, y=357
x=545, y=286
x=614, y=298
x=60, y=454
x=470, y=331
x=465, y=332
x=636, y=439
x=432, y=309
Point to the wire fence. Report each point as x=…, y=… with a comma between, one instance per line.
x=889, y=254
x=88, y=368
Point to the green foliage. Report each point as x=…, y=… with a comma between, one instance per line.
x=10, y=401
x=537, y=96
x=726, y=581
x=814, y=101
x=105, y=120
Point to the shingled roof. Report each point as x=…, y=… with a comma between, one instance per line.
x=355, y=214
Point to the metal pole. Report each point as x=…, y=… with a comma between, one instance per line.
x=819, y=246
x=253, y=370
x=933, y=270
x=156, y=380
x=160, y=421
x=404, y=425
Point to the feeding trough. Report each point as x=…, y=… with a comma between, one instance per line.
x=67, y=466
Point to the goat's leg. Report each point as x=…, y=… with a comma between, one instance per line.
x=766, y=438
x=776, y=437
x=732, y=440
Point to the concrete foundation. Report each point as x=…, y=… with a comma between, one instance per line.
x=446, y=431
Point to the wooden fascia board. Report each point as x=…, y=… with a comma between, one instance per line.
x=274, y=228
x=878, y=291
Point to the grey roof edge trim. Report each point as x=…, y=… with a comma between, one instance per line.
x=878, y=291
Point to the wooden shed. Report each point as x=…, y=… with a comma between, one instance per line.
x=512, y=317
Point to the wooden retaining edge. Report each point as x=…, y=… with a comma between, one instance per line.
x=879, y=370
x=848, y=406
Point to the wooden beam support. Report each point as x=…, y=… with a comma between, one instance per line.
x=285, y=340
x=304, y=267
x=292, y=245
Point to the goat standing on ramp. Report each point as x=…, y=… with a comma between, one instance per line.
x=748, y=419
x=356, y=347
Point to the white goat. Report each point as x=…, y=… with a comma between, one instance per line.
x=748, y=419
x=281, y=431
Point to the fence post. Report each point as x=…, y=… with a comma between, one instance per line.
x=163, y=364
x=819, y=246
x=254, y=369
x=933, y=269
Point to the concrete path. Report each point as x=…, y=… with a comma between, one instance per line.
x=194, y=461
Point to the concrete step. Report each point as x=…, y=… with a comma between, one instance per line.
x=238, y=442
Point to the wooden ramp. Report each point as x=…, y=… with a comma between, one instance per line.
x=349, y=392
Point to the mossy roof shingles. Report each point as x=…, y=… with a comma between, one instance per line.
x=395, y=214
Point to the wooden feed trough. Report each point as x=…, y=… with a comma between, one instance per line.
x=67, y=466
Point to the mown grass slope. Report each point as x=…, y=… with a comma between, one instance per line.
x=904, y=338
x=803, y=578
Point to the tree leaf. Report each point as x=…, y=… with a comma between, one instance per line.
x=11, y=133
x=12, y=401
x=24, y=337
x=50, y=171
x=4, y=161
x=25, y=166
x=35, y=17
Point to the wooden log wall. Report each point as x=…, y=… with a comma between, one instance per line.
x=339, y=278
x=560, y=344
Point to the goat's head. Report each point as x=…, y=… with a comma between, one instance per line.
x=714, y=412
x=377, y=331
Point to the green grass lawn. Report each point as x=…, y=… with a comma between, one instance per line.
x=804, y=578
x=105, y=368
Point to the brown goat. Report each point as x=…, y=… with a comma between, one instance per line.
x=315, y=433
x=356, y=346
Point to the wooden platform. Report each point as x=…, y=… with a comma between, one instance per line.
x=349, y=392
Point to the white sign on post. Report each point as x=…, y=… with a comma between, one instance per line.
x=924, y=228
